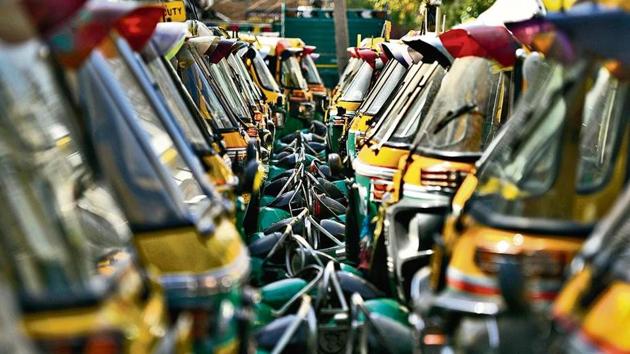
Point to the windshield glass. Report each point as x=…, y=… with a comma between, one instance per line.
x=247, y=78
x=463, y=118
x=241, y=78
x=355, y=92
x=601, y=120
x=57, y=221
x=384, y=87
x=401, y=119
x=535, y=161
x=220, y=72
x=292, y=74
x=264, y=75
x=175, y=102
x=310, y=70
x=161, y=142
x=201, y=90
x=353, y=65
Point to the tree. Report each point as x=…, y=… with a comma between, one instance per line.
x=408, y=13
x=460, y=11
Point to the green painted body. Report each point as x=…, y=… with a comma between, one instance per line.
x=280, y=292
x=366, y=208
x=268, y=216
x=350, y=269
x=389, y=308
x=264, y=201
x=274, y=171
x=225, y=322
x=335, y=133
x=291, y=125
x=351, y=145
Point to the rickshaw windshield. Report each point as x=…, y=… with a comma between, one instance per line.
x=353, y=65
x=310, y=71
x=201, y=91
x=241, y=76
x=161, y=142
x=208, y=101
x=530, y=158
x=220, y=73
x=462, y=117
x=175, y=102
x=384, y=87
x=292, y=74
x=402, y=118
x=358, y=88
x=242, y=69
x=263, y=74
x=57, y=221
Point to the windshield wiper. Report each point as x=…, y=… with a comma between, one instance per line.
x=452, y=115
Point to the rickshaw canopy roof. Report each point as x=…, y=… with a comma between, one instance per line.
x=491, y=42
x=169, y=37
x=431, y=49
x=400, y=53
x=133, y=21
x=600, y=30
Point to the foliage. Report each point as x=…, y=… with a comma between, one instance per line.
x=407, y=13
x=459, y=11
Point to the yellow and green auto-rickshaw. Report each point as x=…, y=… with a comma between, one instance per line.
x=350, y=95
x=389, y=140
x=207, y=145
x=590, y=308
x=471, y=106
x=400, y=59
x=182, y=228
x=283, y=61
x=315, y=83
x=66, y=244
x=213, y=105
x=314, y=80
x=265, y=81
x=538, y=192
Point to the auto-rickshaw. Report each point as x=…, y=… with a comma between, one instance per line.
x=354, y=64
x=265, y=81
x=247, y=83
x=207, y=145
x=212, y=104
x=182, y=228
x=473, y=103
x=535, y=197
x=589, y=312
x=387, y=141
x=314, y=80
x=566, y=161
x=65, y=244
x=315, y=83
x=350, y=96
x=401, y=59
x=283, y=61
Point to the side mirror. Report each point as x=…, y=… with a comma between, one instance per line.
x=335, y=164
